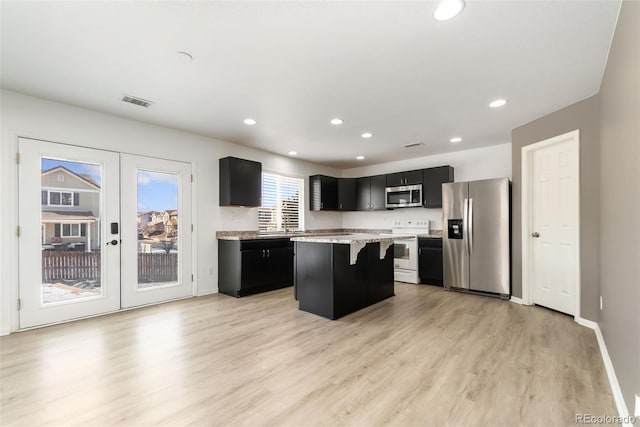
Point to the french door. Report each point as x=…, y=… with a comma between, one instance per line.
x=99, y=231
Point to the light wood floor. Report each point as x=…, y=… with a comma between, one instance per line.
x=425, y=357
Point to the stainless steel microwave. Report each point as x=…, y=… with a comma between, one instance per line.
x=406, y=196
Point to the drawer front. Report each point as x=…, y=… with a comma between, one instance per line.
x=430, y=242
x=252, y=245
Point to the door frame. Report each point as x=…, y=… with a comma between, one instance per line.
x=527, y=151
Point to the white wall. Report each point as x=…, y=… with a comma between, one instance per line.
x=469, y=165
x=31, y=117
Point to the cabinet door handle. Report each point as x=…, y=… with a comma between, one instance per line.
x=268, y=253
x=419, y=251
x=264, y=253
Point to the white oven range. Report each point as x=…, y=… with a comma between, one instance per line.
x=405, y=260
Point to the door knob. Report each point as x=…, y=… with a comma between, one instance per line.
x=535, y=234
x=114, y=242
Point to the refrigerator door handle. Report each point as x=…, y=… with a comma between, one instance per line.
x=465, y=225
x=470, y=227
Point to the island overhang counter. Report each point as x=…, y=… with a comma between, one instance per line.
x=338, y=274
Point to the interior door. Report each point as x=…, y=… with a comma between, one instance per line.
x=554, y=230
x=69, y=257
x=156, y=230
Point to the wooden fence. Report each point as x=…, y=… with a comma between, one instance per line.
x=157, y=268
x=85, y=266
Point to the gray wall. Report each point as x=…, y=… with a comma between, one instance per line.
x=585, y=116
x=620, y=202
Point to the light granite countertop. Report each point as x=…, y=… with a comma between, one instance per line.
x=256, y=235
x=356, y=238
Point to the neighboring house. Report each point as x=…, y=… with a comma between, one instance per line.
x=144, y=218
x=170, y=221
x=157, y=216
x=70, y=210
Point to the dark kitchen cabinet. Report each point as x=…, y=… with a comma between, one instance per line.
x=404, y=178
x=370, y=193
x=251, y=266
x=433, y=178
x=323, y=193
x=430, y=260
x=346, y=194
x=329, y=285
x=240, y=182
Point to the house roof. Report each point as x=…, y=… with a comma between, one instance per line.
x=82, y=176
x=62, y=216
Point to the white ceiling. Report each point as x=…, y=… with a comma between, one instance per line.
x=384, y=67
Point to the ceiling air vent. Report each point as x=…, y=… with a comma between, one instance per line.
x=413, y=145
x=136, y=101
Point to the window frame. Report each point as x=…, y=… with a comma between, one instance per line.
x=301, y=202
x=63, y=235
x=60, y=192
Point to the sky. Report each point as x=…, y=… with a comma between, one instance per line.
x=157, y=191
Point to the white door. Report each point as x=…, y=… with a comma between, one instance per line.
x=156, y=230
x=68, y=198
x=555, y=226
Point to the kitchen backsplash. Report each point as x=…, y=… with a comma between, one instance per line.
x=383, y=219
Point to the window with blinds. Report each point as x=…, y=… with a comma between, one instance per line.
x=282, y=203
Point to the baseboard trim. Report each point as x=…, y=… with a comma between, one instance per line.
x=588, y=323
x=517, y=300
x=215, y=291
x=611, y=374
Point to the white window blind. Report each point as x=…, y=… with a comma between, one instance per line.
x=282, y=203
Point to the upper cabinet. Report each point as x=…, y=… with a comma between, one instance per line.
x=240, y=182
x=327, y=193
x=433, y=178
x=346, y=194
x=404, y=178
x=370, y=192
x=323, y=193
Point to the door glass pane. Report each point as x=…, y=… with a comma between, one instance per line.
x=158, y=240
x=70, y=259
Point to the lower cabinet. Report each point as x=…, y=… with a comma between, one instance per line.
x=430, y=260
x=250, y=266
x=330, y=286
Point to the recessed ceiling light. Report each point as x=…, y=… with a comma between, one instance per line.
x=337, y=121
x=250, y=122
x=447, y=9
x=367, y=135
x=360, y=158
x=293, y=153
x=456, y=139
x=185, y=56
x=498, y=103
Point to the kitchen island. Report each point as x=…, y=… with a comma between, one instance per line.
x=338, y=274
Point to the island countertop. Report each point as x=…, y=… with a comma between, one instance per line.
x=351, y=239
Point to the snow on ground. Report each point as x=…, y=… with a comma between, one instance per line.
x=57, y=292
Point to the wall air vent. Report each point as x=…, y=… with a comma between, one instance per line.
x=136, y=101
x=413, y=145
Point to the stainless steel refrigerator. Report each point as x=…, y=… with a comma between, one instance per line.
x=476, y=237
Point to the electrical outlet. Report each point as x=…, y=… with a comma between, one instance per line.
x=601, y=303
x=210, y=271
